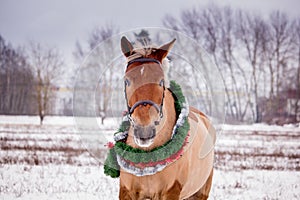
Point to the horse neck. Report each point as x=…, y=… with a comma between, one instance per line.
x=165, y=127
x=168, y=121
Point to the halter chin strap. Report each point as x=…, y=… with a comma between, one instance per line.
x=144, y=102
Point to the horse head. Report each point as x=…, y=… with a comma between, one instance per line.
x=145, y=82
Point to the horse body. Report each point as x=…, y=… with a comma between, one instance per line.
x=152, y=113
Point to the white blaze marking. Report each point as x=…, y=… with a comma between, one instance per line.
x=142, y=71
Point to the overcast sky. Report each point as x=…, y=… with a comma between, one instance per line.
x=61, y=22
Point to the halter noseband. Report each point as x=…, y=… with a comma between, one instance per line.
x=144, y=102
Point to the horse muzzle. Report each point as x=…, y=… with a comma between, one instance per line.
x=144, y=135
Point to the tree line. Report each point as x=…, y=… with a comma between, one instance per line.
x=16, y=81
x=258, y=58
x=27, y=79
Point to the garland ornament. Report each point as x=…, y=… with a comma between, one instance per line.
x=140, y=162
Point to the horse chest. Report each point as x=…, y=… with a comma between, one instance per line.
x=153, y=183
x=159, y=186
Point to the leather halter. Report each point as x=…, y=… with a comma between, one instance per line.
x=143, y=60
x=144, y=102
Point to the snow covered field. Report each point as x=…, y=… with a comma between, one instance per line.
x=51, y=161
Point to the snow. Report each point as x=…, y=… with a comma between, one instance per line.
x=34, y=120
x=262, y=127
x=51, y=161
x=53, y=120
x=255, y=184
x=87, y=182
x=56, y=182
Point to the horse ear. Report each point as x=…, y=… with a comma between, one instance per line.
x=163, y=51
x=126, y=46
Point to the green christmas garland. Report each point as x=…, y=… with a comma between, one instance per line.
x=135, y=155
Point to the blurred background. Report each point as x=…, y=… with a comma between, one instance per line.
x=254, y=45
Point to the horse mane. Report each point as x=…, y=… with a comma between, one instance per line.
x=144, y=50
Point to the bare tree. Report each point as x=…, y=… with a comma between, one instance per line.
x=279, y=53
x=16, y=81
x=215, y=28
x=279, y=49
x=190, y=23
x=99, y=61
x=254, y=55
x=233, y=70
x=47, y=66
x=251, y=32
x=297, y=81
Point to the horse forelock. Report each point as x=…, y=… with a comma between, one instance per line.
x=144, y=51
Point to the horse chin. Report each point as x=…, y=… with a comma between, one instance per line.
x=143, y=143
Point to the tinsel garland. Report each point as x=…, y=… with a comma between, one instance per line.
x=159, y=154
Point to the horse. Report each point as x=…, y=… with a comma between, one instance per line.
x=159, y=152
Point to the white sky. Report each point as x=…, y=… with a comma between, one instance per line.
x=61, y=22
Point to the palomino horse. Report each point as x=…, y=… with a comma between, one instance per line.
x=165, y=137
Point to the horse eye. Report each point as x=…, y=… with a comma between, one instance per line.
x=127, y=82
x=162, y=83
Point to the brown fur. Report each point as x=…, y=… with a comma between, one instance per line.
x=144, y=86
x=173, y=192
x=191, y=175
x=202, y=194
x=188, y=176
x=164, y=128
x=146, y=114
